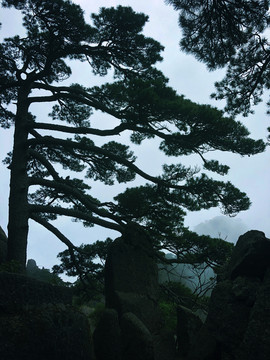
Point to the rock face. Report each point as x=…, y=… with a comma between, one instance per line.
x=107, y=337
x=188, y=326
x=31, y=265
x=38, y=322
x=131, y=278
x=137, y=341
x=127, y=339
x=250, y=257
x=3, y=246
x=131, y=292
x=238, y=323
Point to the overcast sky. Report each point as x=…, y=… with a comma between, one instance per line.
x=188, y=77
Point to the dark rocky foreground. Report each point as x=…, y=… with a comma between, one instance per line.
x=238, y=322
x=37, y=320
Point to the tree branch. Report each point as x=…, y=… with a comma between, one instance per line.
x=75, y=214
x=48, y=140
x=54, y=230
x=64, y=239
x=82, y=129
x=46, y=163
x=61, y=186
x=66, y=92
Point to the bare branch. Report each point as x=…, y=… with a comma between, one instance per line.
x=54, y=230
x=82, y=129
x=64, y=239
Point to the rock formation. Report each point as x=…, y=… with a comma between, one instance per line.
x=188, y=326
x=3, y=246
x=238, y=322
x=137, y=341
x=107, y=337
x=31, y=265
x=131, y=278
x=131, y=289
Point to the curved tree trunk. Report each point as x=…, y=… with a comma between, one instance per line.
x=18, y=204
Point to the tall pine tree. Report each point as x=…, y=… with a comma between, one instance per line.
x=36, y=68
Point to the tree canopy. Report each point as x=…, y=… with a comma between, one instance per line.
x=230, y=33
x=37, y=68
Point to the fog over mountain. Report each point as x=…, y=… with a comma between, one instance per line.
x=222, y=227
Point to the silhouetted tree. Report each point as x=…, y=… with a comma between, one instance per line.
x=230, y=33
x=46, y=154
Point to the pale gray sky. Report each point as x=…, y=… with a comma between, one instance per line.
x=188, y=77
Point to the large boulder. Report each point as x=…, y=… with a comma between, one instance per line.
x=188, y=326
x=131, y=278
x=132, y=289
x=136, y=339
x=130, y=266
x=251, y=256
x=124, y=339
x=238, y=323
x=256, y=340
x=144, y=307
x=3, y=246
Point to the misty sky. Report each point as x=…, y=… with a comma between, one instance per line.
x=188, y=77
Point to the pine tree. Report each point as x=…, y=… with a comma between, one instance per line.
x=232, y=34
x=36, y=68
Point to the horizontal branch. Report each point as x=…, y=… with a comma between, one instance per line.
x=75, y=214
x=61, y=186
x=66, y=92
x=49, y=140
x=81, y=129
x=108, y=132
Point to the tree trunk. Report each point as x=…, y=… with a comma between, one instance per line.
x=18, y=204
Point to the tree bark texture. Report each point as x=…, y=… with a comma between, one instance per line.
x=18, y=204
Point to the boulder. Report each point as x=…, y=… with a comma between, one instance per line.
x=256, y=341
x=137, y=341
x=31, y=265
x=188, y=326
x=238, y=323
x=131, y=278
x=251, y=255
x=3, y=246
x=144, y=307
x=132, y=289
x=107, y=337
x=130, y=266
